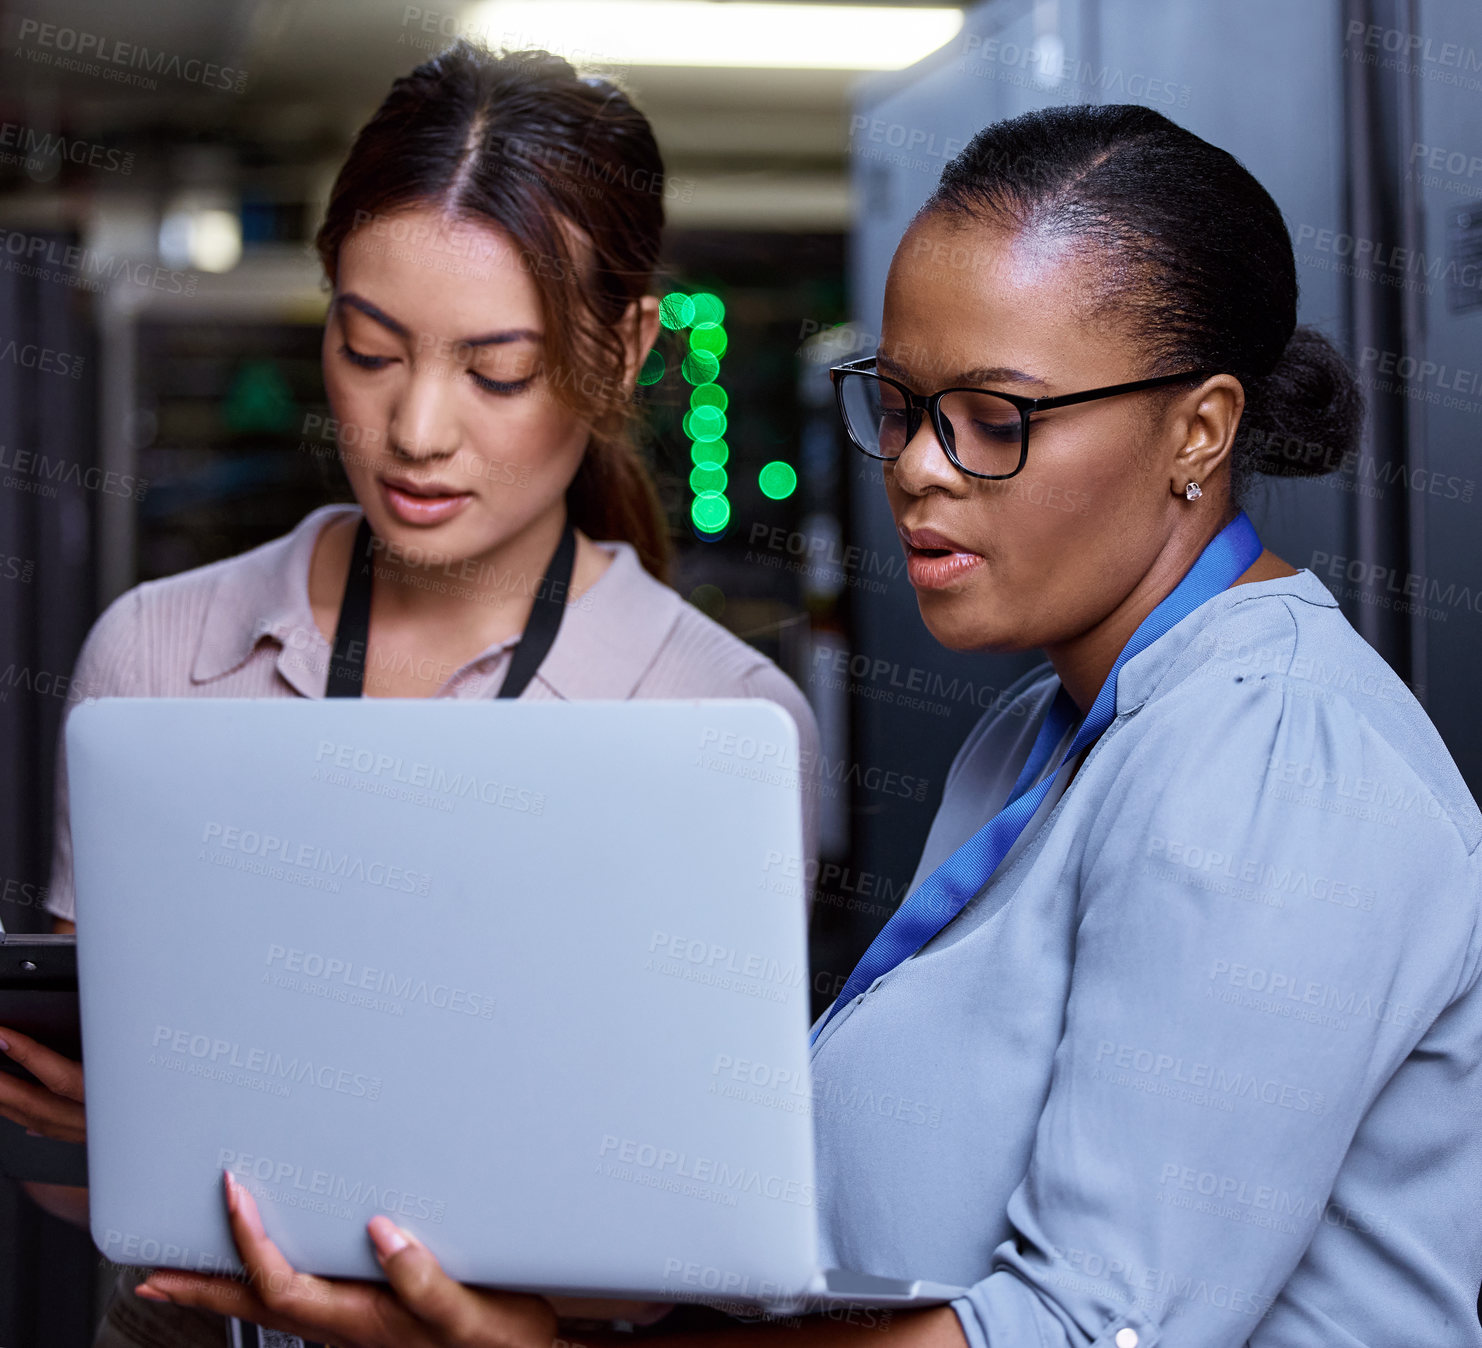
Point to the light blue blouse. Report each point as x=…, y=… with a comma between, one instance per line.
x=1202, y=1064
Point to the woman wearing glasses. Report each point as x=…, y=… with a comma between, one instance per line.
x=1190, y=963
x=491, y=241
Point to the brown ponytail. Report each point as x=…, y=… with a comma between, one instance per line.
x=613, y=496
x=568, y=168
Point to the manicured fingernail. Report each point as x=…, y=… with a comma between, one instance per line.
x=4, y=1046
x=149, y=1293
x=388, y=1237
x=231, y=1190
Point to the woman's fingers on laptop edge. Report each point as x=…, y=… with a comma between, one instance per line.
x=455, y=1312
x=272, y=1293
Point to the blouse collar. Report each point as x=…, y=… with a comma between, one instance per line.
x=609, y=635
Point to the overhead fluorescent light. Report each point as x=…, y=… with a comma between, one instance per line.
x=714, y=32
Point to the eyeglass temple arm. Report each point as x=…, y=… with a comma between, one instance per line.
x=1068, y=399
x=1025, y=405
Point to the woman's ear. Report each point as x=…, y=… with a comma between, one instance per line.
x=1210, y=419
x=641, y=331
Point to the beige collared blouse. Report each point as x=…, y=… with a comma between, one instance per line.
x=243, y=627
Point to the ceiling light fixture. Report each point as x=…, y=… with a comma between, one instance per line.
x=597, y=33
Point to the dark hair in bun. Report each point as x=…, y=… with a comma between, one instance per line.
x=1200, y=273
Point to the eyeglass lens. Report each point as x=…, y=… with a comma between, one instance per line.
x=984, y=431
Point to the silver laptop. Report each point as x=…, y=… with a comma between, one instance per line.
x=486, y=967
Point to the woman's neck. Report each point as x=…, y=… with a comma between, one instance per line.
x=1083, y=662
x=452, y=608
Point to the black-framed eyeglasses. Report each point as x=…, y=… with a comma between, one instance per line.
x=985, y=432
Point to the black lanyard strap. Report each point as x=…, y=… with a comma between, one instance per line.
x=352, y=631
x=347, y=663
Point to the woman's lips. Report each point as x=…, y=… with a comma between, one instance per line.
x=935, y=562
x=431, y=506
x=932, y=570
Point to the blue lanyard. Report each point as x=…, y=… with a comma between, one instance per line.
x=945, y=892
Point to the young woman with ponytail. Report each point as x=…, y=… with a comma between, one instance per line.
x=490, y=243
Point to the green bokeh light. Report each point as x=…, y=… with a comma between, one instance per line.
x=700, y=367
x=777, y=480
x=714, y=451
x=705, y=424
x=653, y=368
x=708, y=307
x=701, y=425
x=707, y=476
x=260, y=399
x=676, y=310
x=710, y=512
x=709, y=395
x=709, y=337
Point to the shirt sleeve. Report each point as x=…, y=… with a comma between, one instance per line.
x=107, y=666
x=1180, y=1101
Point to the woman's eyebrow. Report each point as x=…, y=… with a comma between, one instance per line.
x=998, y=374
x=371, y=311
x=985, y=374
x=400, y=329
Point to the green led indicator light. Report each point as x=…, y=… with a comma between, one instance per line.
x=777, y=480
x=707, y=476
x=709, y=337
x=708, y=308
x=711, y=512
x=676, y=310
x=706, y=424
x=709, y=395
x=700, y=367
x=653, y=368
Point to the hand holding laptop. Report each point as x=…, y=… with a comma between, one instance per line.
x=421, y=1308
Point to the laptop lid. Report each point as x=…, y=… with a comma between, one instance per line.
x=478, y=965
